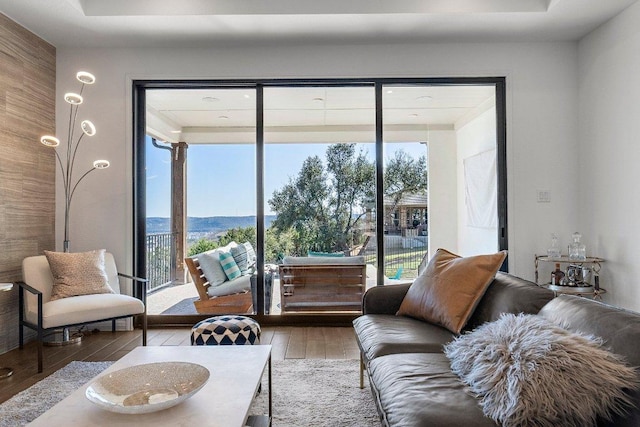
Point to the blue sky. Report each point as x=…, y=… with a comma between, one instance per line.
x=221, y=178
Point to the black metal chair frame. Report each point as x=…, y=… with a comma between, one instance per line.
x=42, y=332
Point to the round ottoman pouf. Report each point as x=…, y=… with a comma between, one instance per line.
x=226, y=330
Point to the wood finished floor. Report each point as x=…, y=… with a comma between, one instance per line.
x=287, y=342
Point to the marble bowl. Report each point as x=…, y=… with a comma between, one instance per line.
x=147, y=388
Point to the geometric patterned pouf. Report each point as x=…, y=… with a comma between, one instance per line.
x=226, y=330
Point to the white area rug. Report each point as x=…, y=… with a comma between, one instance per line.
x=306, y=392
x=29, y=404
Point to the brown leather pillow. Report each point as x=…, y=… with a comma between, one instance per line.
x=78, y=273
x=449, y=289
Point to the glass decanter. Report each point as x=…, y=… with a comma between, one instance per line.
x=577, y=250
x=554, y=249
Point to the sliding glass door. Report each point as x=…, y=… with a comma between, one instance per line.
x=320, y=188
x=440, y=177
x=379, y=172
x=201, y=196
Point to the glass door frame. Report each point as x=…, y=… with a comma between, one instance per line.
x=139, y=189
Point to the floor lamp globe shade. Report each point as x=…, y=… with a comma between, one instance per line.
x=49, y=141
x=101, y=164
x=73, y=98
x=88, y=128
x=85, y=77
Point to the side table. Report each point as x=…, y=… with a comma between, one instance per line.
x=4, y=371
x=588, y=292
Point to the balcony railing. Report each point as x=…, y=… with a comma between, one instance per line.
x=161, y=260
x=406, y=252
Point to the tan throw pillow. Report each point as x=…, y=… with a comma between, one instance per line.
x=80, y=273
x=449, y=289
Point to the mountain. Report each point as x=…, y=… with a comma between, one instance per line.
x=211, y=224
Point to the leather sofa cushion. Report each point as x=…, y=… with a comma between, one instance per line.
x=449, y=289
x=381, y=334
x=619, y=329
x=508, y=294
x=416, y=390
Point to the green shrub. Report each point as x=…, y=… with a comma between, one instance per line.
x=202, y=245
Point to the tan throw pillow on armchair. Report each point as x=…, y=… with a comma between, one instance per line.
x=449, y=289
x=79, y=273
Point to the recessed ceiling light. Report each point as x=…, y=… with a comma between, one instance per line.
x=424, y=98
x=210, y=99
x=318, y=99
x=223, y=117
x=389, y=91
x=414, y=115
x=246, y=95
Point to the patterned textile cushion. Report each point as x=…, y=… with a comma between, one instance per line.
x=211, y=268
x=244, y=256
x=528, y=371
x=229, y=265
x=226, y=330
x=79, y=273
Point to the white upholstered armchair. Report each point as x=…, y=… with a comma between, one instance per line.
x=39, y=312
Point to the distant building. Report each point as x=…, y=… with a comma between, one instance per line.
x=408, y=217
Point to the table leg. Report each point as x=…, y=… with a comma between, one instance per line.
x=270, y=391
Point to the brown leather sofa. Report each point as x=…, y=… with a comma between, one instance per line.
x=410, y=377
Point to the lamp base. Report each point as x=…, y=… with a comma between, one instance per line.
x=5, y=372
x=61, y=338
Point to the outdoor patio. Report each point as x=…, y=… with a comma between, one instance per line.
x=178, y=299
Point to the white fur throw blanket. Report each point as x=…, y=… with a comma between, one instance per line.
x=527, y=371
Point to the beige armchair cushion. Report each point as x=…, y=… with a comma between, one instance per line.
x=85, y=308
x=80, y=273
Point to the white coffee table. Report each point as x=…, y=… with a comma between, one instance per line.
x=236, y=372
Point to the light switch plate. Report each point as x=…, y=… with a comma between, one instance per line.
x=544, y=196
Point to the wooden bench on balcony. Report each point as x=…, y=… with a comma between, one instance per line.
x=236, y=303
x=311, y=284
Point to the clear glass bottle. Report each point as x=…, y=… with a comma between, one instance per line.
x=577, y=250
x=554, y=250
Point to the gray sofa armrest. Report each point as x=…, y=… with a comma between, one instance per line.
x=384, y=299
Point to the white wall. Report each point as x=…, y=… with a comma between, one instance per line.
x=475, y=137
x=609, y=105
x=443, y=206
x=542, y=129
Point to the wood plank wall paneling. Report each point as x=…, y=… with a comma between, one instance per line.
x=27, y=168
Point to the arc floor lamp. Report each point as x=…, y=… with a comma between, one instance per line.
x=67, y=165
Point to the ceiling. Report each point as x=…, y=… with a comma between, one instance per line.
x=312, y=114
x=322, y=114
x=192, y=23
